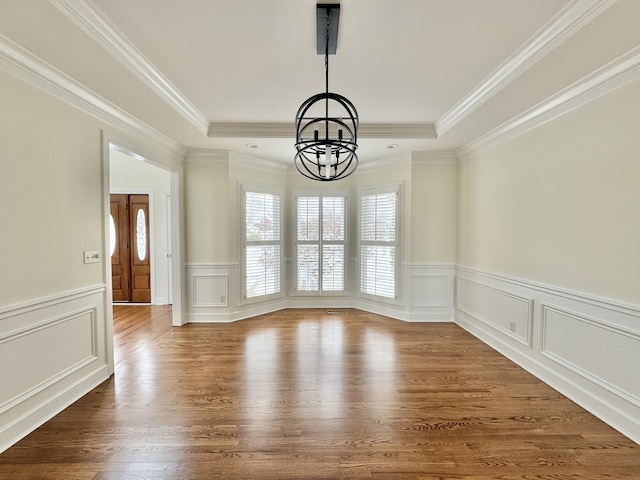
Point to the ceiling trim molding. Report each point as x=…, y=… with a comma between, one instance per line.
x=29, y=68
x=206, y=155
x=398, y=161
x=434, y=157
x=575, y=15
x=95, y=24
x=255, y=163
x=606, y=79
x=287, y=130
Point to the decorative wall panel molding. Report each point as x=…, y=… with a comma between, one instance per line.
x=502, y=310
x=58, y=349
x=585, y=346
x=613, y=368
x=430, y=291
x=210, y=291
x=56, y=358
x=429, y=297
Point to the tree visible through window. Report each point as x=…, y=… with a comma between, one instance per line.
x=378, y=242
x=262, y=243
x=320, y=243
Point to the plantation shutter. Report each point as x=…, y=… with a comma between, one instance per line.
x=320, y=243
x=333, y=246
x=307, y=243
x=262, y=244
x=378, y=243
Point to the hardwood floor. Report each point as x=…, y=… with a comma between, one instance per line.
x=310, y=395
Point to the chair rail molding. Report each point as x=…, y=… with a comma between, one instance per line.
x=58, y=347
x=586, y=347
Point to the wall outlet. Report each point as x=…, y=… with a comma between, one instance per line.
x=512, y=326
x=92, y=256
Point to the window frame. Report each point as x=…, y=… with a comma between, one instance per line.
x=267, y=190
x=295, y=194
x=398, y=189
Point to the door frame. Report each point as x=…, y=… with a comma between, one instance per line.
x=152, y=231
x=172, y=161
x=169, y=247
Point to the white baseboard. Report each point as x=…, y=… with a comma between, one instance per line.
x=213, y=294
x=59, y=348
x=586, y=347
x=27, y=422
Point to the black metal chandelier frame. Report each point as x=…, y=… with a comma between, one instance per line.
x=326, y=146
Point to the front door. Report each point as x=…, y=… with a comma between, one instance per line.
x=130, y=249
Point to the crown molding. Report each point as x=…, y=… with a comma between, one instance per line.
x=575, y=15
x=418, y=131
x=434, y=157
x=287, y=130
x=251, y=130
x=29, y=68
x=398, y=161
x=606, y=79
x=255, y=163
x=205, y=155
x=97, y=26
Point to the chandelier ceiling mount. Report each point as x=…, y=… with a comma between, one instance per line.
x=326, y=123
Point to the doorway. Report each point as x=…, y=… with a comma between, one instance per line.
x=164, y=216
x=130, y=248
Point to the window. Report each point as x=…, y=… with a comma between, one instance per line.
x=320, y=243
x=379, y=242
x=262, y=244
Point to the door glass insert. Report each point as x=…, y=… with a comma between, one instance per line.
x=141, y=234
x=112, y=235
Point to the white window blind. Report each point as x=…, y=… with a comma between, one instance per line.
x=378, y=243
x=320, y=243
x=262, y=243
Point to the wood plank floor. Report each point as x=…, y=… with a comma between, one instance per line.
x=310, y=395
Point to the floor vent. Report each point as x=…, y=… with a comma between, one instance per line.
x=336, y=312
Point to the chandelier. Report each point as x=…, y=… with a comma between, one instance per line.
x=326, y=123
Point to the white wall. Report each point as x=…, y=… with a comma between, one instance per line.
x=213, y=267
x=549, y=253
x=208, y=207
x=53, y=328
x=560, y=204
x=130, y=175
x=433, y=219
x=55, y=317
x=50, y=183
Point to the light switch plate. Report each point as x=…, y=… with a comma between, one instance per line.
x=92, y=256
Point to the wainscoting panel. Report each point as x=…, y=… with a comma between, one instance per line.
x=426, y=294
x=586, y=347
x=575, y=341
x=210, y=291
x=53, y=350
x=56, y=356
x=507, y=312
x=213, y=292
x=430, y=291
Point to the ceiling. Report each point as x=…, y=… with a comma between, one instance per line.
x=224, y=74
